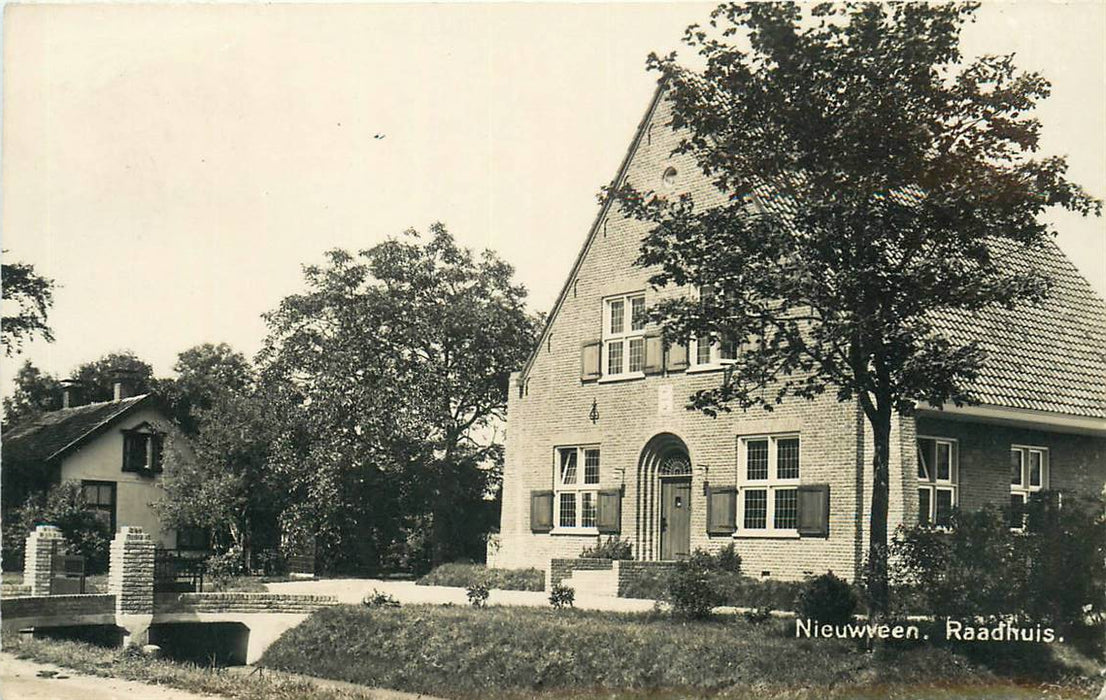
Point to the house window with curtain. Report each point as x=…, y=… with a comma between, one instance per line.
x=143, y=450
x=1028, y=475
x=624, y=335
x=100, y=497
x=577, y=489
x=768, y=482
x=938, y=475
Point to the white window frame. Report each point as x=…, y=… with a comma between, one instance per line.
x=623, y=338
x=581, y=489
x=770, y=485
x=1025, y=489
x=717, y=360
x=932, y=483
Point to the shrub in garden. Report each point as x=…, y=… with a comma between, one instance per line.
x=828, y=599
x=64, y=506
x=477, y=593
x=379, y=599
x=691, y=591
x=562, y=596
x=220, y=568
x=613, y=548
x=462, y=575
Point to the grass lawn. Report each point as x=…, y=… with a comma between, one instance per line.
x=528, y=652
x=464, y=575
x=229, y=683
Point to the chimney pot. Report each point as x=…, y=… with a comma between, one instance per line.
x=71, y=390
x=123, y=384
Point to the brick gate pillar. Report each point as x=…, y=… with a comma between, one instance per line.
x=38, y=557
x=131, y=581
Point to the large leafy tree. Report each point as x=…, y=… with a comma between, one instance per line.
x=400, y=356
x=205, y=373
x=868, y=178
x=28, y=297
x=34, y=392
x=97, y=377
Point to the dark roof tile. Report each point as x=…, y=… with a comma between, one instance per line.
x=51, y=434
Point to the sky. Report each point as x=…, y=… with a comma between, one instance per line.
x=173, y=166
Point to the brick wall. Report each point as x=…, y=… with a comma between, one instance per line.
x=560, y=569
x=1077, y=463
x=631, y=571
x=131, y=571
x=166, y=603
x=57, y=605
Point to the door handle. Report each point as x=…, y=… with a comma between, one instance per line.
x=664, y=524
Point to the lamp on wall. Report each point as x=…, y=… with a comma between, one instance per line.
x=593, y=414
x=701, y=471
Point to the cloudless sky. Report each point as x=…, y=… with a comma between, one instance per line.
x=173, y=166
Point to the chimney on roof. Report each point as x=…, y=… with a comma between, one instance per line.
x=71, y=393
x=123, y=384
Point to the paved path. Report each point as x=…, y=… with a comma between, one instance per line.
x=349, y=590
x=19, y=680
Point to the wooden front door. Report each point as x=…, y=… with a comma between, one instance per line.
x=675, y=519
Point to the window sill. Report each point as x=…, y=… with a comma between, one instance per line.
x=702, y=369
x=766, y=535
x=582, y=531
x=611, y=379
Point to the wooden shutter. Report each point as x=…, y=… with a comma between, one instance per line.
x=609, y=518
x=541, y=511
x=654, y=354
x=814, y=510
x=589, y=361
x=677, y=357
x=721, y=510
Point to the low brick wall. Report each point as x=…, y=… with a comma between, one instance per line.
x=631, y=571
x=560, y=569
x=56, y=606
x=165, y=603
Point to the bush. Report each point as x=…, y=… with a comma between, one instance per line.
x=727, y=559
x=692, y=592
x=463, y=575
x=613, y=548
x=1051, y=573
x=562, y=596
x=221, y=568
x=828, y=599
x=64, y=506
x=377, y=599
x=478, y=594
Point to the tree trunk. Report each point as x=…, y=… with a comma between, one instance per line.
x=878, y=591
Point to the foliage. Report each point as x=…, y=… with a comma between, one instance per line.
x=725, y=559
x=732, y=589
x=828, y=600
x=224, y=683
x=758, y=616
x=397, y=360
x=1052, y=573
x=477, y=593
x=868, y=179
x=98, y=377
x=86, y=532
x=459, y=652
x=33, y=394
x=221, y=568
x=378, y=599
x=462, y=575
x=206, y=373
x=561, y=596
x=33, y=295
x=691, y=591
x=612, y=548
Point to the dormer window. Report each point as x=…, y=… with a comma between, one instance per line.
x=142, y=450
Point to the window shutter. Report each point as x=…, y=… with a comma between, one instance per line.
x=609, y=518
x=589, y=361
x=677, y=357
x=541, y=511
x=654, y=354
x=721, y=510
x=814, y=510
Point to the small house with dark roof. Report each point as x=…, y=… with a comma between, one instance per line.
x=599, y=442
x=114, y=449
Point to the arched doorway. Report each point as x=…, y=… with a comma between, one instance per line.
x=663, y=512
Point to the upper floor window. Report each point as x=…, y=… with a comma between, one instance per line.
x=1028, y=474
x=577, y=488
x=705, y=352
x=624, y=335
x=142, y=449
x=938, y=474
x=768, y=478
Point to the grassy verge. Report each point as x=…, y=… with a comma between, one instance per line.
x=528, y=652
x=229, y=683
x=464, y=575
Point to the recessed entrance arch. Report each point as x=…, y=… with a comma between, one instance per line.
x=663, y=508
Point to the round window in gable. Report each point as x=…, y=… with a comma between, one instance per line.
x=668, y=178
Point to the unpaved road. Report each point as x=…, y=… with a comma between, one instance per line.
x=19, y=680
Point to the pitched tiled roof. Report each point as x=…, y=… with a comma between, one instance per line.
x=52, y=434
x=1045, y=357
